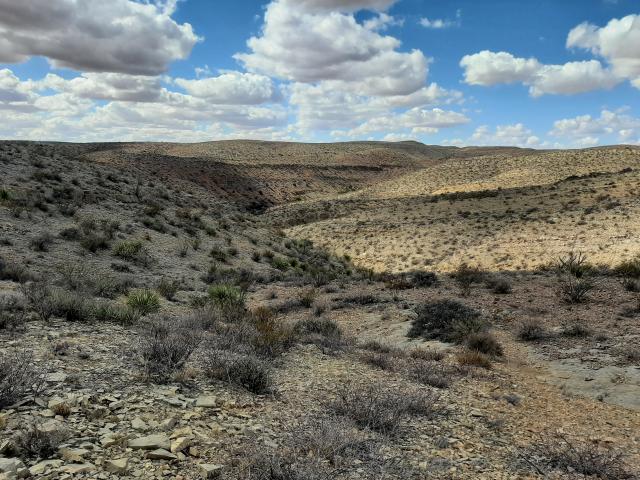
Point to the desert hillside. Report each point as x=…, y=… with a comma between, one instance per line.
x=360, y=311
x=497, y=211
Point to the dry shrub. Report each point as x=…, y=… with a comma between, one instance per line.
x=247, y=371
x=430, y=373
x=378, y=408
x=531, y=330
x=576, y=290
x=19, y=377
x=427, y=354
x=323, y=332
x=485, y=342
x=472, y=358
x=165, y=345
x=560, y=453
x=447, y=321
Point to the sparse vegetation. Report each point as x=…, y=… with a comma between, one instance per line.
x=446, y=320
x=143, y=301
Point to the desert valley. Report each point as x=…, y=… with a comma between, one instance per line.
x=363, y=310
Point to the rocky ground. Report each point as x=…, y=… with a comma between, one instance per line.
x=151, y=331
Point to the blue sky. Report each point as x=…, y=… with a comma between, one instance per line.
x=542, y=74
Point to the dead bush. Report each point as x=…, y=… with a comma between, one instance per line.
x=19, y=377
x=560, y=453
x=531, y=330
x=473, y=358
x=379, y=408
x=246, y=371
x=164, y=346
x=322, y=332
x=485, y=342
x=35, y=442
x=38, y=297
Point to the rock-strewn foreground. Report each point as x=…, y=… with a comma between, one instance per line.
x=153, y=326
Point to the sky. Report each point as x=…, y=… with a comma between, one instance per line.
x=530, y=73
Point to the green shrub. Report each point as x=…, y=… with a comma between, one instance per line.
x=226, y=295
x=143, y=301
x=447, y=321
x=131, y=250
x=123, y=315
x=94, y=242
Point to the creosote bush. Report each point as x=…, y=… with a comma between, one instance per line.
x=447, y=321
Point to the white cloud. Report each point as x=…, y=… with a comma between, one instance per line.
x=233, y=88
x=325, y=45
x=417, y=120
x=106, y=86
x=347, y=6
x=572, y=78
x=439, y=24
x=583, y=129
x=492, y=68
x=516, y=135
x=121, y=36
x=618, y=42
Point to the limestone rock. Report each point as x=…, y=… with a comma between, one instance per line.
x=161, y=454
x=151, y=442
x=118, y=466
x=209, y=470
x=180, y=444
x=206, y=401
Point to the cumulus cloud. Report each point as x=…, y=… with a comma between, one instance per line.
x=516, y=135
x=417, y=121
x=584, y=129
x=119, y=36
x=233, y=88
x=303, y=45
x=322, y=107
x=488, y=68
x=106, y=86
x=617, y=42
